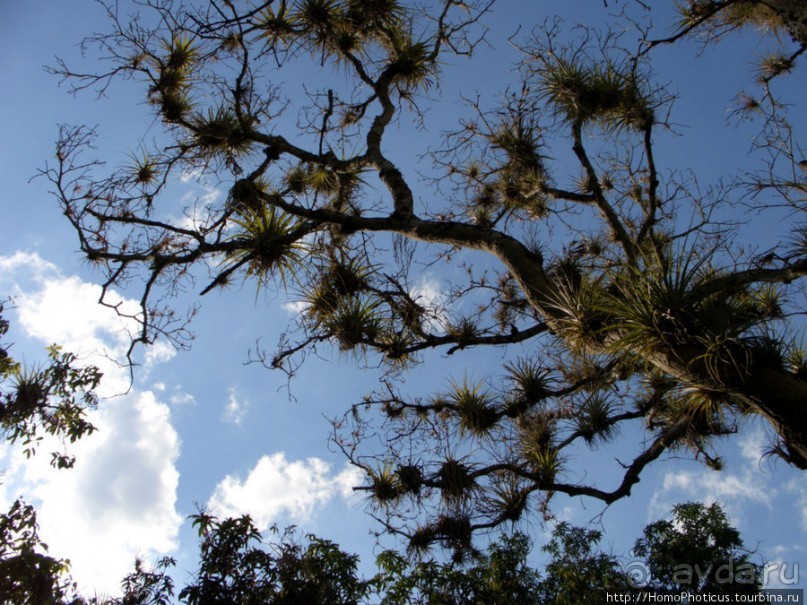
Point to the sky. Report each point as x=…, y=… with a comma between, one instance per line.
x=201, y=428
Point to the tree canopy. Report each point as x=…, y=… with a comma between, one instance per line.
x=626, y=282
x=695, y=551
x=698, y=550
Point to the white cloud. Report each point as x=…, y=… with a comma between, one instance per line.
x=195, y=204
x=749, y=483
x=754, y=446
x=210, y=196
x=784, y=566
x=296, y=307
x=235, y=409
x=176, y=396
x=428, y=294
x=182, y=398
x=119, y=500
x=65, y=310
x=33, y=264
x=277, y=488
x=781, y=573
x=205, y=196
x=160, y=352
x=713, y=486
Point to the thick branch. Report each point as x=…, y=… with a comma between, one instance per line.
x=733, y=283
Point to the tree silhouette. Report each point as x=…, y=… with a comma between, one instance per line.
x=697, y=550
x=622, y=278
x=500, y=575
x=578, y=571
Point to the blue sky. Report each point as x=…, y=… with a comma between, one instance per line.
x=200, y=427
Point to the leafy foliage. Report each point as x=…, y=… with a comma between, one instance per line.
x=147, y=587
x=28, y=575
x=698, y=550
x=237, y=568
x=51, y=400
x=499, y=576
x=237, y=564
x=577, y=571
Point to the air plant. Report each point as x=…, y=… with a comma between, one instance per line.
x=269, y=244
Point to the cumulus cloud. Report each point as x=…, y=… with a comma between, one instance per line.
x=65, y=310
x=119, y=500
x=277, y=488
x=30, y=262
